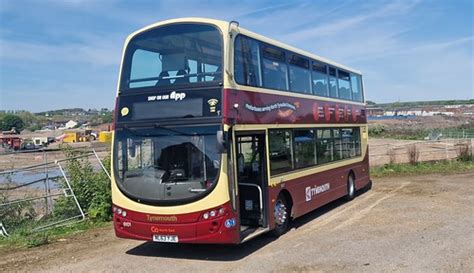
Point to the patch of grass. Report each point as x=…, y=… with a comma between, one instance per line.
x=422, y=168
x=26, y=238
x=37, y=239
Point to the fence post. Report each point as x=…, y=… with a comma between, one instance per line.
x=72, y=191
x=46, y=182
x=446, y=149
x=3, y=231
x=101, y=164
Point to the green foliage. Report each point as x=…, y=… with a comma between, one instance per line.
x=417, y=132
x=26, y=238
x=91, y=187
x=34, y=127
x=10, y=121
x=422, y=168
x=107, y=117
x=37, y=239
x=376, y=130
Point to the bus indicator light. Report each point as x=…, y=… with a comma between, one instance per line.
x=124, y=111
x=229, y=223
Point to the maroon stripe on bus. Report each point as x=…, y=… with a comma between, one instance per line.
x=246, y=107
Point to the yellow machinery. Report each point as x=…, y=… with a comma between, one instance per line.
x=105, y=136
x=71, y=137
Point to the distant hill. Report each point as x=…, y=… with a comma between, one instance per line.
x=73, y=112
x=412, y=104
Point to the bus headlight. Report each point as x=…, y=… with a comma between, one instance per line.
x=119, y=211
x=213, y=213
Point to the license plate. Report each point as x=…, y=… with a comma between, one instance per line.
x=165, y=238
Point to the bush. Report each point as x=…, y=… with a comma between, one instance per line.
x=376, y=130
x=92, y=190
x=464, y=152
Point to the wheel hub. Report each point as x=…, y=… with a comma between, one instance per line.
x=280, y=213
x=351, y=186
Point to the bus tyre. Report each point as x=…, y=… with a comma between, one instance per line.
x=350, y=187
x=281, y=215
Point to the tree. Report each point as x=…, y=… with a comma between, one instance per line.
x=10, y=121
x=107, y=117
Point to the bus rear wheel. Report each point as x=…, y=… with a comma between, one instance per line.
x=281, y=216
x=350, y=187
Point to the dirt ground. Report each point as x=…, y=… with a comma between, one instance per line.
x=416, y=224
x=425, y=123
x=9, y=160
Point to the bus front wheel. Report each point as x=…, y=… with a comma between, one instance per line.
x=281, y=215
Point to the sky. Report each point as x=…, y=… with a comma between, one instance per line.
x=66, y=53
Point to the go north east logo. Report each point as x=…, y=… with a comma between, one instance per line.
x=312, y=191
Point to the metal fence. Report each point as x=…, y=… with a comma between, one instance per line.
x=29, y=194
x=424, y=150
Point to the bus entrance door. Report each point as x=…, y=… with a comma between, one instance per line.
x=252, y=182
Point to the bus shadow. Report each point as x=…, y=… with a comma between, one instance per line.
x=201, y=252
x=226, y=252
x=301, y=221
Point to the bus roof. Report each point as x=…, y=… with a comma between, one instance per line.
x=224, y=25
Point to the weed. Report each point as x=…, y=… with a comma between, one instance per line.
x=37, y=239
x=464, y=151
x=413, y=154
x=392, y=155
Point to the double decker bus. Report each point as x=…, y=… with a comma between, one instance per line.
x=222, y=134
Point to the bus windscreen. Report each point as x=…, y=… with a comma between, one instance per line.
x=162, y=164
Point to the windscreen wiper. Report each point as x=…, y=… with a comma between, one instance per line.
x=159, y=126
x=136, y=131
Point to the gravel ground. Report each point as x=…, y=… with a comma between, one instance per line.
x=405, y=224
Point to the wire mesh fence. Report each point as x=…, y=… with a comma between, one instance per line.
x=391, y=152
x=30, y=196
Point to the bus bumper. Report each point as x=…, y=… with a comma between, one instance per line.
x=189, y=228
